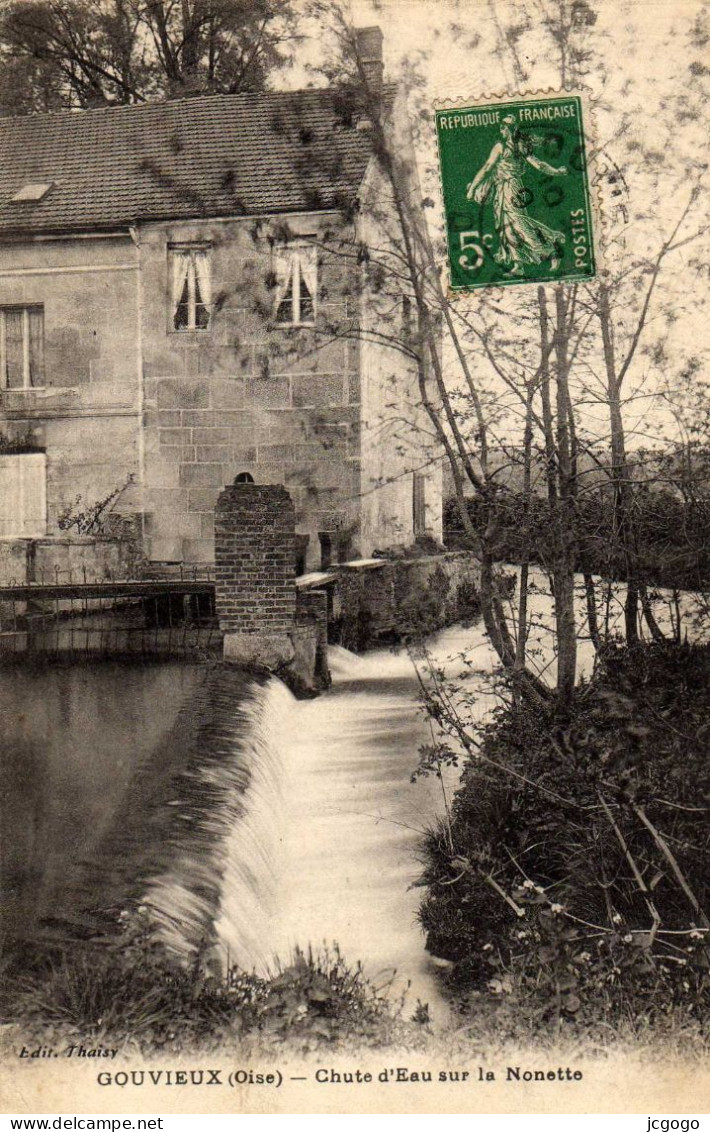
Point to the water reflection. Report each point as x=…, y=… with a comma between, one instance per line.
x=75, y=741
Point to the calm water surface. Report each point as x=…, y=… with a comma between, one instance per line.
x=79, y=744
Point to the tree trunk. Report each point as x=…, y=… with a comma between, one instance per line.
x=522, y=634
x=621, y=480
x=592, y=616
x=550, y=457
x=563, y=566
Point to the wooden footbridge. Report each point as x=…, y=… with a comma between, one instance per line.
x=169, y=616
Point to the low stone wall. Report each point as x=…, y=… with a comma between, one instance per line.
x=402, y=598
x=310, y=639
x=65, y=560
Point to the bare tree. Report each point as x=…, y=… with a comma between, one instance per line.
x=539, y=363
x=58, y=53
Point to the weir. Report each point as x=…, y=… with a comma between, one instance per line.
x=245, y=822
x=258, y=823
x=314, y=834
x=240, y=821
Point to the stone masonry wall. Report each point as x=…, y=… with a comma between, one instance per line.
x=254, y=559
x=311, y=638
x=66, y=561
x=402, y=597
x=87, y=412
x=280, y=403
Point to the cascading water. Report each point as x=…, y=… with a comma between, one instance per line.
x=327, y=848
x=229, y=844
x=310, y=824
x=246, y=823
x=253, y=849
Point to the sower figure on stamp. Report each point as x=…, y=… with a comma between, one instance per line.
x=522, y=238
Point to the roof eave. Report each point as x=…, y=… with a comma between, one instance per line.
x=22, y=235
x=18, y=235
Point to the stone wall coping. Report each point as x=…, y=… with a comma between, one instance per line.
x=63, y=540
x=374, y=563
x=365, y=564
x=315, y=579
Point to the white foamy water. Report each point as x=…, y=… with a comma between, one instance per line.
x=252, y=852
x=319, y=840
x=343, y=837
x=349, y=828
x=220, y=884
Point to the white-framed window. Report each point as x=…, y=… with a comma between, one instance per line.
x=296, y=270
x=22, y=347
x=23, y=495
x=191, y=291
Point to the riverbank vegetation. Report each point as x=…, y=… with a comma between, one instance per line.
x=129, y=992
x=568, y=889
x=567, y=886
x=671, y=528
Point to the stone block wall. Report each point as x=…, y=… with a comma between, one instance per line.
x=86, y=414
x=66, y=561
x=13, y=562
x=311, y=638
x=243, y=395
x=179, y=414
x=397, y=442
x=404, y=597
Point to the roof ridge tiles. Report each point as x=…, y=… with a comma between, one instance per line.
x=75, y=113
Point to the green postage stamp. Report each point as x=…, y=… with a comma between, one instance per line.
x=516, y=192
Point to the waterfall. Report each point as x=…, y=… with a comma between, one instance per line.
x=215, y=892
x=310, y=824
x=252, y=850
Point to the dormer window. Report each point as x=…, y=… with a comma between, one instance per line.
x=191, y=290
x=296, y=269
x=33, y=191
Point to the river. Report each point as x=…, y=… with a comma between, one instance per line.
x=351, y=821
x=231, y=811
x=223, y=804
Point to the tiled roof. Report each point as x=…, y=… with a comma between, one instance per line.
x=221, y=155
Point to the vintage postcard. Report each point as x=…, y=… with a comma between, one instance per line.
x=354, y=573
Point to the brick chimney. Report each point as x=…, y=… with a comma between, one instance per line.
x=369, y=47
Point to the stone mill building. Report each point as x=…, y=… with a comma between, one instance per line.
x=184, y=301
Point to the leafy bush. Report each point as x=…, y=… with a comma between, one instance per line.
x=420, y=604
x=90, y=518
x=571, y=885
x=672, y=534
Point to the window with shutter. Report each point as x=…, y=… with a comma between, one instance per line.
x=23, y=495
x=22, y=347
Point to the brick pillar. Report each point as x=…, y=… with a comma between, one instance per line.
x=255, y=573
